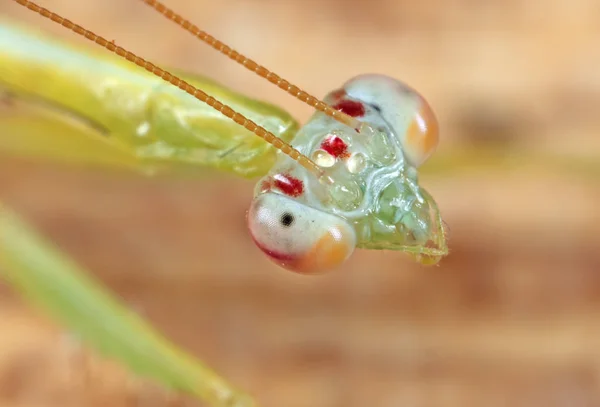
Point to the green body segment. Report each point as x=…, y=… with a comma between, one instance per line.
x=64, y=290
x=134, y=111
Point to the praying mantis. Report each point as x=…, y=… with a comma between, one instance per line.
x=160, y=135
x=347, y=179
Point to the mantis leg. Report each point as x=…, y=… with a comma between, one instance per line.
x=53, y=282
x=509, y=158
x=32, y=128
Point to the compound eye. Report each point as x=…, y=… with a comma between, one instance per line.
x=422, y=136
x=404, y=109
x=297, y=237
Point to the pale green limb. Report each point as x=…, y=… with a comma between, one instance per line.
x=509, y=158
x=28, y=130
x=155, y=122
x=47, y=278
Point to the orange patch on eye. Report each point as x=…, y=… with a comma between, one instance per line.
x=329, y=252
x=423, y=134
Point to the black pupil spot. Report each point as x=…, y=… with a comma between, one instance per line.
x=287, y=219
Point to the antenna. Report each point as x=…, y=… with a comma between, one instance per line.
x=258, y=69
x=183, y=85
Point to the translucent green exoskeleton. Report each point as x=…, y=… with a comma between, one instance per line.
x=128, y=112
x=351, y=170
x=376, y=201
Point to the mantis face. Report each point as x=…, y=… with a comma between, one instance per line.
x=295, y=227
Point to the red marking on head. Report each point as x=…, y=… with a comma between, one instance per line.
x=265, y=186
x=335, y=146
x=337, y=94
x=288, y=185
x=351, y=108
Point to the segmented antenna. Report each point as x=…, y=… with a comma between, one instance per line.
x=258, y=69
x=183, y=85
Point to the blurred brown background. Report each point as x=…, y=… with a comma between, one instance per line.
x=510, y=318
